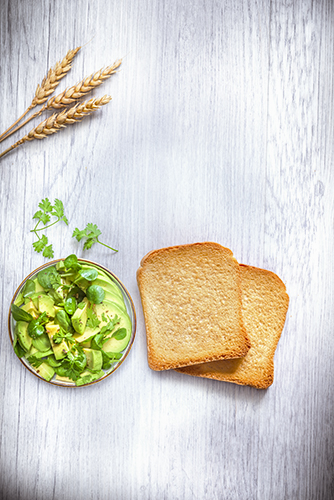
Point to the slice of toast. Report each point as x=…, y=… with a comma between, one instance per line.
x=191, y=301
x=264, y=306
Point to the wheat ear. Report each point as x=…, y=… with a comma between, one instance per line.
x=58, y=121
x=46, y=88
x=71, y=95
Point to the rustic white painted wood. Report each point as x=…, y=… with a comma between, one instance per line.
x=221, y=128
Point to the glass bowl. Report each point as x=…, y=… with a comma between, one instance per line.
x=130, y=309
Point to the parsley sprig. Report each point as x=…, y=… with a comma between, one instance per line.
x=46, y=216
x=91, y=233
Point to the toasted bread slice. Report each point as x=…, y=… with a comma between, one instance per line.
x=191, y=301
x=264, y=306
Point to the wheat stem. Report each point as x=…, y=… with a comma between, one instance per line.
x=59, y=120
x=47, y=87
x=31, y=117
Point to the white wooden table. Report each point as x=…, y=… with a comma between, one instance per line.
x=221, y=128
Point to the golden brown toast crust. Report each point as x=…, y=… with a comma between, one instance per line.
x=265, y=304
x=192, y=305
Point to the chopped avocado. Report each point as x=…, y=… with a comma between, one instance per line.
x=35, y=297
x=45, y=371
x=59, y=350
x=38, y=354
x=94, y=358
x=38, y=286
x=109, y=310
x=88, y=334
x=30, y=308
x=79, y=318
x=46, y=304
x=51, y=328
x=60, y=266
x=112, y=297
x=64, y=379
x=19, y=300
x=31, y=351
x=21, y=330
x=106, y=283
x=86, y=377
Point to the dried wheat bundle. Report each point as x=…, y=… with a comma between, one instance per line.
x=46, y=88
x=72, y=94
x=58, y=121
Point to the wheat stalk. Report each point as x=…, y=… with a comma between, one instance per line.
x=71, y=95
x=46, y=88
x=58, y=121
x=51, y=81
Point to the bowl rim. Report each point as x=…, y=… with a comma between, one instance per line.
x=123, y=289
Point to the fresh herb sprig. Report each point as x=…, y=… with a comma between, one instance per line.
x=91, y=233
x=92, y=319
x=73, y=364
x=46, y=216
x=61, y=335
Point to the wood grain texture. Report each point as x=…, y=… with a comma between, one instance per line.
x=221, y=128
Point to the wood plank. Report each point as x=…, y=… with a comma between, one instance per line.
x=220, y=128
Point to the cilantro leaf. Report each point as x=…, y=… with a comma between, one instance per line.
x=44, y=216
x=100, y=338
x=58, y=210
x=91, y=233
x=89, y=243
x=73, y=364
x=40, y=244
x=45, y=205
x=38, y=214
x=61, y=335
x=48, y=252
x=92, y=319
x=78, y=234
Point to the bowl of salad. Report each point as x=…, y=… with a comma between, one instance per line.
x=72, y=322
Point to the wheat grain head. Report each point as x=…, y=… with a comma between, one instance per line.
x=81, y=89
x=58, y=121
x=52, y=79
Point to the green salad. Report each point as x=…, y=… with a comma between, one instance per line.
x=71, y=322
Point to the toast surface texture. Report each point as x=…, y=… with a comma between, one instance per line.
x=264, y=308
x=191, y=300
